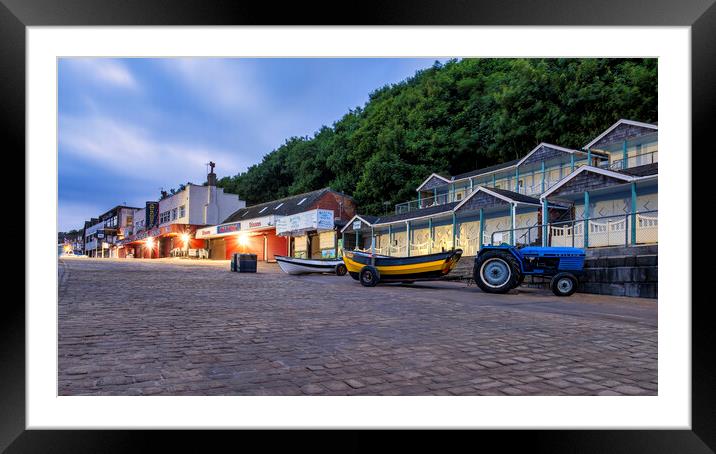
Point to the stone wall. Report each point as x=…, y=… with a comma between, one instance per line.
x=622, y=271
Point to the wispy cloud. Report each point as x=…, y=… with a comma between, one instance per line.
x=105, y=71
x=132, y=151
x=220, y=84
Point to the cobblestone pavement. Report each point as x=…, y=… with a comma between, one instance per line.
x=179, y=327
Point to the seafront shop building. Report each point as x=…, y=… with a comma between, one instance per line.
x=603, y=195
x=167, y=228
x=102, y=234
x=306, y=225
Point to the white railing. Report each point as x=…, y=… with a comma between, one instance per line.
x=469, y=246
x=616, y=230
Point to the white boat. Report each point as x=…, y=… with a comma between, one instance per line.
x=293, y=265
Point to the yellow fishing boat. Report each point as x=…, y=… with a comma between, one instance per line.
x=370, y=269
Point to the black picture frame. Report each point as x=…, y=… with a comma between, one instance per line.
x=700, y=15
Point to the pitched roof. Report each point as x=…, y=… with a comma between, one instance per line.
x=484, y=170
x=282, y=207
x=642, y=171
x=515, y=196
x=606, y=172
x=416, y=213
x=615, y=125
x=433, y=175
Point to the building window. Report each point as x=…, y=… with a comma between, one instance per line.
x=130, y=221
x=174, y=214
x=182, y=211
x=164, y=217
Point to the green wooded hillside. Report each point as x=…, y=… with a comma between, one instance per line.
x=453, y=118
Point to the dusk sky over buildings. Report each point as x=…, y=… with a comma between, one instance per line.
x=128, y=127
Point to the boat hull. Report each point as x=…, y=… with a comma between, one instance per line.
x=292, y=265
x=402, y=269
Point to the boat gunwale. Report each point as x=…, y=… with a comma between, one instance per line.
x=402, y=261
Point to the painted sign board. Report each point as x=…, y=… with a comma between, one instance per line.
x=228, y=228
x=234, y=227
x=356, y=225
x=206, y=232
x=325, y=220
x=299, y=223
x=151, y=214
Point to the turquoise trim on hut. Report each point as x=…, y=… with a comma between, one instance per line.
x=482, y=228
x=545, y=220
x=407, y=238
x=633, y=213
x=453, y=229
x=586, y=219
x=432, y=234
x=624, y=155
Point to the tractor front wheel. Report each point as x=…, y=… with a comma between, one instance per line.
x=341, y=269
x=497, y=272
x=563, y=284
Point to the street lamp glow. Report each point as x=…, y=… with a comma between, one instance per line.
x=150, y=242
x=243, y=239
x=185, y=238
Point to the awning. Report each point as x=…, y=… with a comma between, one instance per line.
x=216, y=231
x=171, y=229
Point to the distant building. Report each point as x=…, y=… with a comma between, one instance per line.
x=102, y=234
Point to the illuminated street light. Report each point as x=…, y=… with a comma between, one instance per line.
x=243, y=239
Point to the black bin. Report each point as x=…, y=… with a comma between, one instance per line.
x=243, y=263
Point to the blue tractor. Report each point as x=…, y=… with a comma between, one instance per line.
x=498, y=269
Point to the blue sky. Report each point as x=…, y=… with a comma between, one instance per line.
x=128, y=127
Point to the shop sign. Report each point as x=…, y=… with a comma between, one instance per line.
x=202, y=233
x=227, y=228
x=100, y=235
x=308, y=220
x=325, y=220
x=356, y=225
x=151, y=214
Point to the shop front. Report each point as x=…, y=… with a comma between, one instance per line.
x=173, y=240
x=252, y=236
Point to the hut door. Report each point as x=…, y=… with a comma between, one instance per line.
x=315, y=246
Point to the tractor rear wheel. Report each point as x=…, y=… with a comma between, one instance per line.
x=369, y=276
x=497, y=272
x=563, y=284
